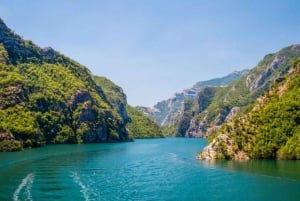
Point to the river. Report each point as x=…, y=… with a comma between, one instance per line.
x=154, y=169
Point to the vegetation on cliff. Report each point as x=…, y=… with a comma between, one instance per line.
x=142, y=126
x=181, y=124
x=227, y=101
x=138, y=124
x=46, y=98
x=164, y=112
x=270, y=128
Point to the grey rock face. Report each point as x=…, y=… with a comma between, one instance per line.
x=164, y=112
x=80, y=96
x=267, y=72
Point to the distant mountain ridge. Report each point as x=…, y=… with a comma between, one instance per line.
x=222, y=81
x=223, y=103
x=165, y=111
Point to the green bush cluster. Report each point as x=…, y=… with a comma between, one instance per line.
x=10, y=145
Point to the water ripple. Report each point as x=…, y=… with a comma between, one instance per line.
x=86, y=190
x=27, y=184
x=163, y=169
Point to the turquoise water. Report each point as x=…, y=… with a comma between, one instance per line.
x=158, y=169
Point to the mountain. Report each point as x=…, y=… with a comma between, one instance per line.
x=228, y=101
x=165, y=111
x=182, y=123
x=269, y=128
x=48, y=98
x=223, y=81
x=142, y=126
x=115, y=95
x=138, y=124
x=215, y=105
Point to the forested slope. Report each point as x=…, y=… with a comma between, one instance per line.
x=46, y=97
x=270, y=128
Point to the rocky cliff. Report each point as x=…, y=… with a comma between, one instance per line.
x=182, y=123
x=137, y=124
x=142, y=126
x=46, y=97
x=164, y=112
x=229, y=100
x=270, y=127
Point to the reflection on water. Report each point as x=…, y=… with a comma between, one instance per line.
x=272, y=168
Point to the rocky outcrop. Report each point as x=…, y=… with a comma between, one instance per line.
x=97, y=129
x=222, y=148
x=6, y=136
x=233, y=112
x=200, y=129
x=50, y=52
x=204, y=99
x=196, y=130
x=80, y=96
x=260, y=80
x=164, y=112
x=183, y=122
x=114, y=95
x=295, y=47
x=13, y=95
x=99, y=135
x=219, y=148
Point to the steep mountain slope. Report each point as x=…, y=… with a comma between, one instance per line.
x=115, y=95
x=165, y=111
x=227, y=101
x=180, y=125
x=270, y=128
x=142, y=126
x=45, y=98
x=138, y=124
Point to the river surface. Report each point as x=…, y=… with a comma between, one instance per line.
x=157, y=169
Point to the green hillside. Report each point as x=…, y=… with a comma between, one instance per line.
x=47, y=98
x=227, y=101
x=270, y=128
x=142, y=126
x=138, y=124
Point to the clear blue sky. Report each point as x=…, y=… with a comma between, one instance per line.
x=153, y=48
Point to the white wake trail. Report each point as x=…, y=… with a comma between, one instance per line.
x=26, y=182
x=84, y=188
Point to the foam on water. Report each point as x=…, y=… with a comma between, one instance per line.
x=27, y=184
x=84, y=188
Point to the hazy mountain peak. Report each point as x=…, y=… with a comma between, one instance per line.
x=164, y=111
